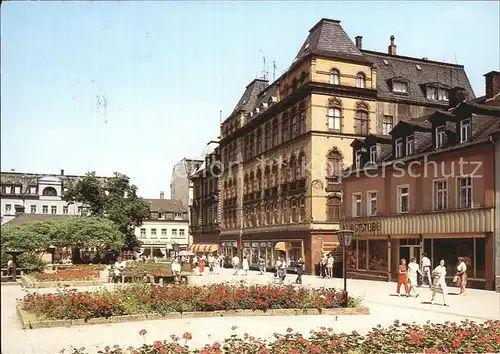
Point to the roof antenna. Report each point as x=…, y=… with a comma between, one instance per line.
x=274, y=70
x=220, y=116
x=264, y=69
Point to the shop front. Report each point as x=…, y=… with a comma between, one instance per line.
x=381, y=242
x=271, y=250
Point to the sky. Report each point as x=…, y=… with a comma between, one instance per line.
x=134, y=87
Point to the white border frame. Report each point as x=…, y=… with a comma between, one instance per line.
x=368, y=202
x=434, y=194
x=398, y=196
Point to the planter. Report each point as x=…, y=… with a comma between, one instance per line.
x=30, y=321
x=29, y=282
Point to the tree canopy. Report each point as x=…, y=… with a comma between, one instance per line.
x=115, y=199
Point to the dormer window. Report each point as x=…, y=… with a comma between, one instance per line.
x=437, y=94
x=431, y=93
x=263, y=106
x=440, y=136
x=442, y=94
x=373, y=153
x=334, y=77
x=465, y=130
x=358, y=159
x=410, y=145
x=400, y=87
x=399, y=148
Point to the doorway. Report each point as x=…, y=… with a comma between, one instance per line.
x=408, y=252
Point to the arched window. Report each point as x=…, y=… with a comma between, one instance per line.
x=302, y=166
x=267, y=137
x=293, y=168
x=286, y=215
x=334, y=119
x=275, y=175
x=302, y=118
x=258, y=176
x=285, y=128
x=49, y=192
x=302, y=209
x=334, y=77
x=275, y=132
x=258, y=146
x=267, y=177
x=293, y=123
x=333, y=207
x=361, y=120
x=284, y=172
x=334, y=168
x=295, y=215
x=360, y=80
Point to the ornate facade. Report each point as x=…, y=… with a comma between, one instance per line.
x=284, y=146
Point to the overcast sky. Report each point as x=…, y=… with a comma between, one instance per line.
x=136, y=86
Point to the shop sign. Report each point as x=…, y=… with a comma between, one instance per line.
x=374, y=226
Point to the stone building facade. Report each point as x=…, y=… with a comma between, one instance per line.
x=285, y=144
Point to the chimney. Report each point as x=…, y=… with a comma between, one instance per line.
x=457, y=95
x=162, y=195
x=392, y=47
x=359, y=42
x=62, y=172
x=492, y=80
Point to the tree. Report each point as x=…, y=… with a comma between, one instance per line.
x=115, y=199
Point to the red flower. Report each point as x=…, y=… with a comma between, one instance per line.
x=143, y=332
x=187, y=336
x=158, y=344
x=289, y=330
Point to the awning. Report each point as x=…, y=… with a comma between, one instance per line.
x=280, y=246
x=203, y=247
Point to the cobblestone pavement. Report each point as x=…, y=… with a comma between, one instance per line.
x=385, y=307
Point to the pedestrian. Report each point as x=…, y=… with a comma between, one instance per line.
x=277, y=266
x=201, y=262
x=120, y=266
x=10, y=265
x=329, y=265
x=176, y=269
x=413, y=271
x=217, y=262
x=323, y=263
x=439, y=284
x=245, y=265
x=426, y=268
x=461, y=275
x=282, y=271
x=236, y=264
x=211, y=261
x=403, y=277
x=262, y=265
x=299, y=267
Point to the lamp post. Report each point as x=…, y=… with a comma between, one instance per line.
x=345, y=238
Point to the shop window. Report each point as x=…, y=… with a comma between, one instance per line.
x=451, y=249
x=480, y=258
x=362, y=254
x=377, y=255
x=352, y=255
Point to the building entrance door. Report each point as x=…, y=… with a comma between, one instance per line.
x=408, y=252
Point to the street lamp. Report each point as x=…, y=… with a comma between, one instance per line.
x=345, y=238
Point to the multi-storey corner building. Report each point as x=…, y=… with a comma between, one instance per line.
x=429, y=186
x=165, y=233
x=34, y=193
x=205, y=215
x=284, y=145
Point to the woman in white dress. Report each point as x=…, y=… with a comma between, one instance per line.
x=245, y=265
x=413, y=271
x=439, y=276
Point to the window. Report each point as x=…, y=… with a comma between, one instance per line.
x=258, y=149
x=360, y=80
x=403, y=199
x=164, y=233
x=302, y=204
x=377, y=255
x=143, y=232
x=33, y=209
x=285, y=131
x=440, y=195
x=372, y=203
x=293, y=168
x=334, y=168
x=333, y=208
x=294, y=210
x=17, y=189
x=302, y=119
x=267, y=139
x=181, y=232
x=49, y=192
x=302, y=166
x=387, y=125
x=465, y=192
x=153, y=232
x=373, y=153
x=174, y=233
x=465, y=130
x=358, y=161
x=443, y=94
x=399, y=148
x=45, y=209
x=80, y=210
x=361, y=122
x=8, y=209
x=334, y=77
x=432, y=93
x=400, y=87
x=293, y=125
x=65, y=210
x=440, y=136
x=53, y=209
x=7, y=189
x=334, y=119
x=32, y=189
x=410, y=146
x=356, y=205
x=275, y=132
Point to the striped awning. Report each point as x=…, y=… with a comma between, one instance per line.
x=203, y=247
x=280, y=246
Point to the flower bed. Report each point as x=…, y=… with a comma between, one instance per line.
x=466, y=337
x=163, y=300
x=68, y=274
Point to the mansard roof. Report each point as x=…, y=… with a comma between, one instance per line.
x=249, y=97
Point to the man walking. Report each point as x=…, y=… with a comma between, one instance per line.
x=426, y=267
x=262, y=265
x=236, y=264
x=299, y=267
x=322, y=265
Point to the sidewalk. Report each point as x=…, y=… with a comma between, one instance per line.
x=476, y=305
